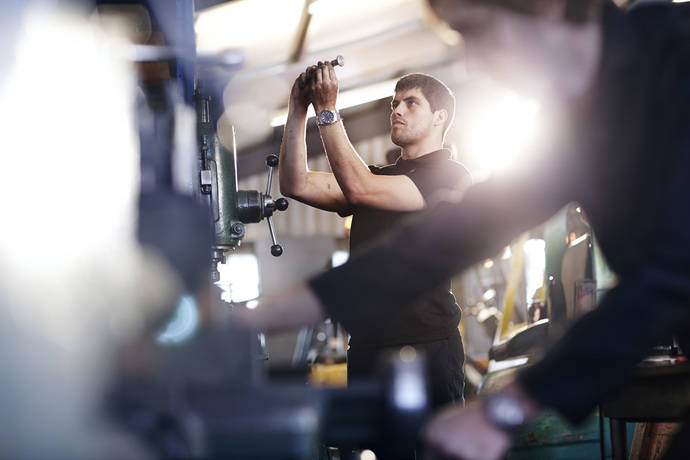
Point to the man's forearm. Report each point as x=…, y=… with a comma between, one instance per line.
x=296, y=307
x=348, y=168
x=293, y=153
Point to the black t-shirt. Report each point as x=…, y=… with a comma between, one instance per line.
x=435, y=314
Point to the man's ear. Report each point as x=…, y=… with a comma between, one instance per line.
x=440, y=117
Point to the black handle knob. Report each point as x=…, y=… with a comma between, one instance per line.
x=276, y=250
x=281, y=204
x=272, y=161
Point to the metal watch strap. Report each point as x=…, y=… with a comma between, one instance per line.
x=327, y=117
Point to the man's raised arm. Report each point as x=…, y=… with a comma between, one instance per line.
x=359, y=185
x=318, y=189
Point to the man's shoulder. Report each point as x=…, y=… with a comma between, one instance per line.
x=446, y=167
x=457, y=167
x=450, y=168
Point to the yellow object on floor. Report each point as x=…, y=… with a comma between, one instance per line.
x=328, y=375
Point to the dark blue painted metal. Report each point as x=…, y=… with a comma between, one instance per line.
x=186, y=65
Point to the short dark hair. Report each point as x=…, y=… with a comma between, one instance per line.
x=434, y=90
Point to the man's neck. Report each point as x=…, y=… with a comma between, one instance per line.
x=410, y=152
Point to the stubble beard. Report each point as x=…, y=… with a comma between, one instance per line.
x=401, y=139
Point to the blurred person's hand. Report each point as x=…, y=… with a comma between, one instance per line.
x=294, y=308
x=468, y=433
x=465, y=433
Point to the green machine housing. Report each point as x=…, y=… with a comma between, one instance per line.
x=230, y=208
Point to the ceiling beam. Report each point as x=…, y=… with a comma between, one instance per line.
x=297, y=49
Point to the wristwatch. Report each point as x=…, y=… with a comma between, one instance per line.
x=327, y=117
x=505, y=412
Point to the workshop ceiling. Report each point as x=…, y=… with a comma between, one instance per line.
x=380, y=40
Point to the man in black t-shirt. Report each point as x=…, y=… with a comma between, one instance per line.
x=378, y=198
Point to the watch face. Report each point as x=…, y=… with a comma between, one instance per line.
x=327, y=117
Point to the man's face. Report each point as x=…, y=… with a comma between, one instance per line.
x=411, y=117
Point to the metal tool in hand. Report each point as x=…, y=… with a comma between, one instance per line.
x=338, y=61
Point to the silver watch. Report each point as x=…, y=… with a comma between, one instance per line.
x=505, y=412
x=327, y=117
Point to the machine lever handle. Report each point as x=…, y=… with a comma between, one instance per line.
x=281, y=204
x=276, y=249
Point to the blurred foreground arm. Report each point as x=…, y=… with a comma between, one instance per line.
x=296, y=307
x=449, y=236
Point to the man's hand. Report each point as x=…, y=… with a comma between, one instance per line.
x=300, y=95
x=324, y=87
x=468, y=434
x=295, y=308
x=465, y=433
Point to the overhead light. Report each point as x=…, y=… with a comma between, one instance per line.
x=347, y=99
x=233, y=25
x=489, y=294
x=498, y=132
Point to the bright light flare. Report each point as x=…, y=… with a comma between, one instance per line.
x=69, y=172
x=339, y=257
x=409, y=390
x=499, y=132
x=239, y=278
x=73, y=280
x=367, y=455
